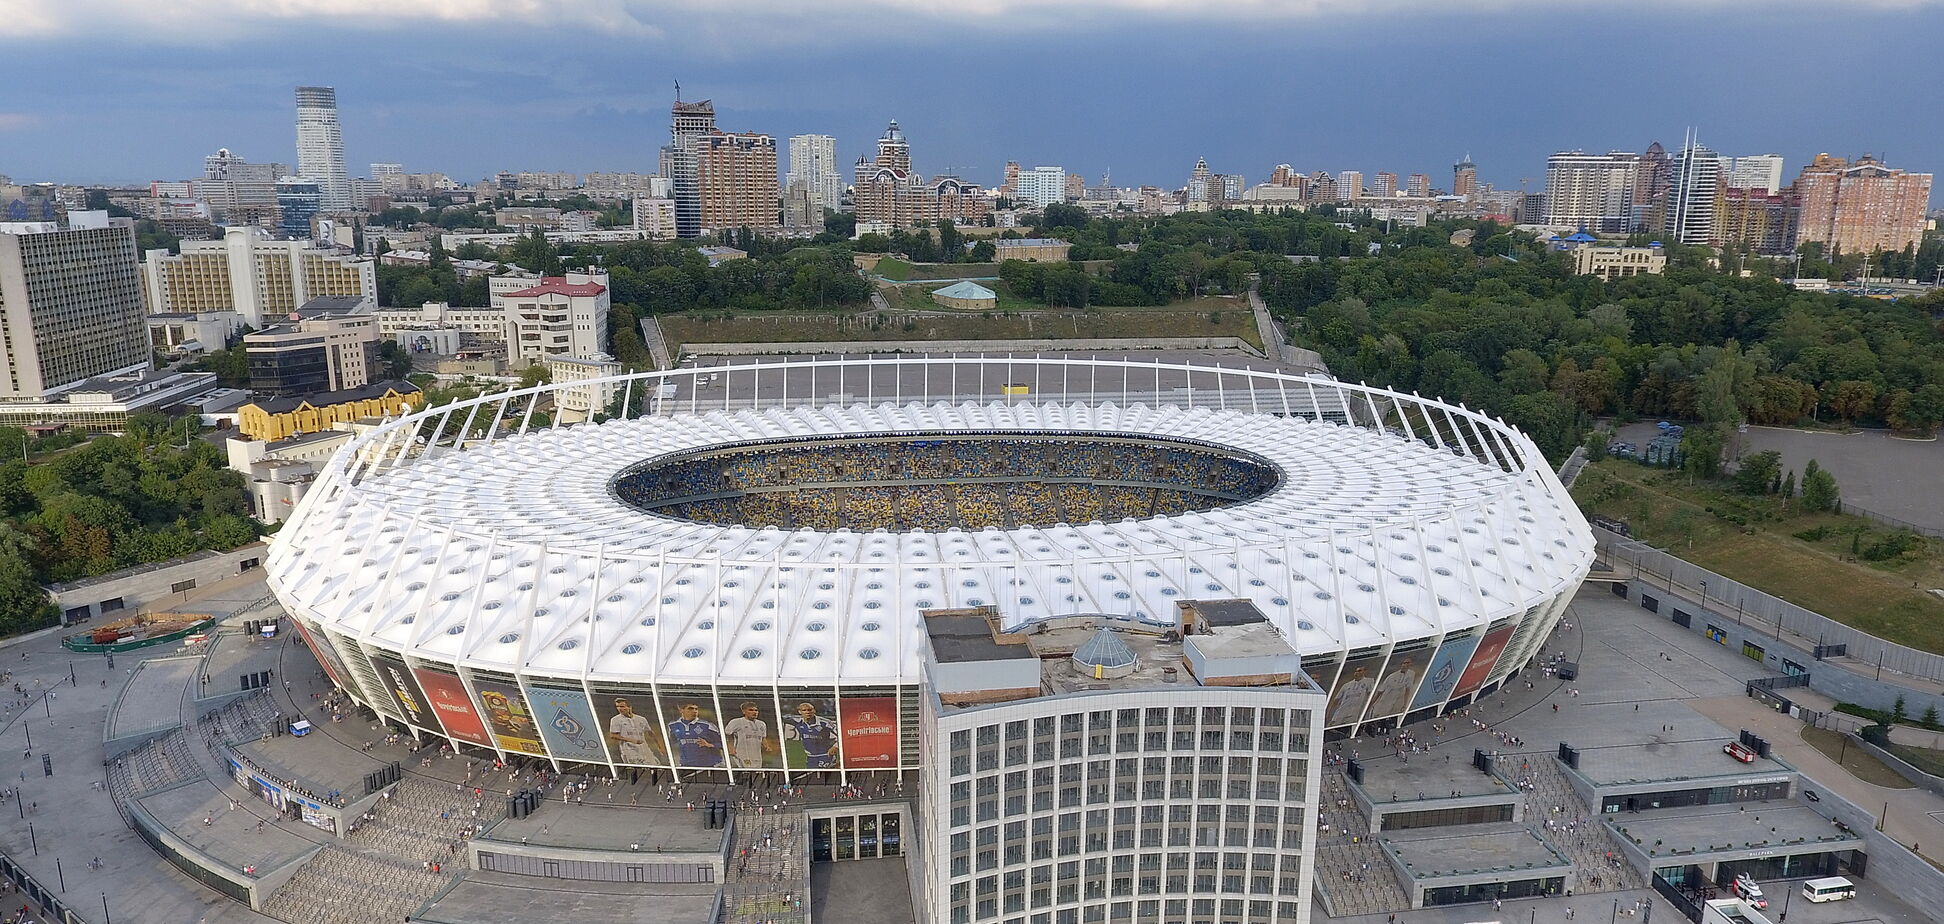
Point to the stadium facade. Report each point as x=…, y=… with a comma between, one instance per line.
x=479, y=577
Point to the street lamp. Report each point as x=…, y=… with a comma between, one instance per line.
x=1704, y=595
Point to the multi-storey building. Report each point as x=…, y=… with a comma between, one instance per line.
x=256, y=277
x=553, y=316
x=320, y=146
x=313, y=353
x=1754, y=171
x=1697, y=184
x=1384, y=185
x=1418, y=186
x=890, y=193
x=70, y=304
x=577, y=402
x=1464, y=178
x=1144, y=775
x=1652, y=189
x=626, y=186
x=656, y=217
x=536, y=179
x=299, y=200
x=1350, y=184
x=736, y=176
x=1284, y=175
x=813, y=161
x=1076, y=187
x=688, y=123
x=1010, y=188
x=1042, y=186
x=1860, y=207
x=1761, y=220
x=1610, y=263
x=1591, y=191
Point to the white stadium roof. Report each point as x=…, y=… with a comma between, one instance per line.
x=512, y=554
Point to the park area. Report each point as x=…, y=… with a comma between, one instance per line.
x=915, y=317
x=1850, y=569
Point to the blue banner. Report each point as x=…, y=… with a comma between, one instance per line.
x=567, y=725
x=1446, y=667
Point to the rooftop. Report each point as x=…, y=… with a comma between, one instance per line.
x=1661, y=760
x=1428, y=778
x=282, y=404
x=1495, y=848
x=1031, y=242
x=1744, y=826
x=558, y=285
x=966, y=289
x=504, y=898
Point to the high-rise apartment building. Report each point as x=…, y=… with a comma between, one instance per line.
x=1384, y=185
x=380, y=171
x=1697, y=184
x=1043, y=186
x=1653, y=188
x=246, y=272
x=1284, y=175
x=70, y=305
x=736, y=179
x=656, y=217
x=626, y=186
x=1418, y=185
x=1591, y=191
x=1010, y=188
x=888, y=192
x=299, y=199
x=1756, y=218
x=1754, y=171
x=688, y=123
x=813, y=160
x=1860, y=207
x=1464, y=178
x=239, y=191
x=320, y=146
x=1350, y=184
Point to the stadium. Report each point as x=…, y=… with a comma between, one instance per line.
x=761, y=541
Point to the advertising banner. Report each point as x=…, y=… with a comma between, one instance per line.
x=810, y=739
x=1353, y=688
x=750, y=734
x=1442, y=676
x=694, y=734
x=1400, y=681
x=405, y=693
x=625, y=720
x=507, y=715
x=326, y=658
x=870, y=730
x=314, y=815
x=1482, y=661
x=567, y=725
x=447, y=696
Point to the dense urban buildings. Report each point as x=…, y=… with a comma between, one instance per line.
x=70, y=304
x=320, y=146
x=260, y=279
x=890, y=194
x=1860, y=207
x=813, y=163
x=1042, y=186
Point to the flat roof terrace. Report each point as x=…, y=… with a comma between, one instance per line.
x=316, y=762
x=1690, y=762
x=1427, y=777
x=1779, y=827
x=503, y=898
x=587, y=826
x=1506, y=851
x=231, y=836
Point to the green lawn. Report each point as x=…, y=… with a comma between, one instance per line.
x=1860, y=763
x=925, y=320
x=1886, y=599
x=893, y=268
x=1929, y=760
x=900, y=270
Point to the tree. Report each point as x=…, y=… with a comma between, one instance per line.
x=1897, y=709
x=395, y=362
x=1701, y=449
x=1930, y=716
x=1757, y=473
x=535, y=375
x=983, y=251
x=1850, y=399
x=1819, y=492
x=1789, y=486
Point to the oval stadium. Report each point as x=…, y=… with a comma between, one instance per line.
x=766, y=540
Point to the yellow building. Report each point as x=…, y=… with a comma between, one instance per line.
x=284, y=417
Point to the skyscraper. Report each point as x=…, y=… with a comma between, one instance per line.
x=688, y=123
x=813, y=163
x=736, y=176
x=1653, y=183
x=1591, y=191
x=1350, y=184
x=1464, y=178
x=70, y=305
x=1697, y=183
x=320, y=146
x=1860, y=207
x=1384, y=185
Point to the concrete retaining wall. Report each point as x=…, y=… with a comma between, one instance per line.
x=135, y=589
x=1892, y=866
x=1092, y=345
x=1903, y=767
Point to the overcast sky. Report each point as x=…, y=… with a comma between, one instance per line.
x=134, y=90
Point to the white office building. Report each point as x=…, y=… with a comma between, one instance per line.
x=813, y=161
x=1042, y=186
x=320, y=146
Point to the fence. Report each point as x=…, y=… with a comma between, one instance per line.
x=1854, y=510
x=1749, y=603
x=28, y=886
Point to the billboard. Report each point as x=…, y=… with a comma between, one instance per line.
x=405, y=694
x=624, y=719
x=1401, y=678
x=870, y=732
x=567, y=725
x=326, y=658
x=694, y=734
x=1442, y=675
x=507, y=717
x=1353, y=687
x=751, y=734
x=447, y=696
x=810, y=738
x=1482, y=661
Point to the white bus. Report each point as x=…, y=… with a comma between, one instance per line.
x=1834, y=888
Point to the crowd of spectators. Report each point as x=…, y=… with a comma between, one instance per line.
x=970, y=482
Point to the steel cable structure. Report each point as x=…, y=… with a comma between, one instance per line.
x=486, y=578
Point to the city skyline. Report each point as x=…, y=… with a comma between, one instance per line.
x=607, y=110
